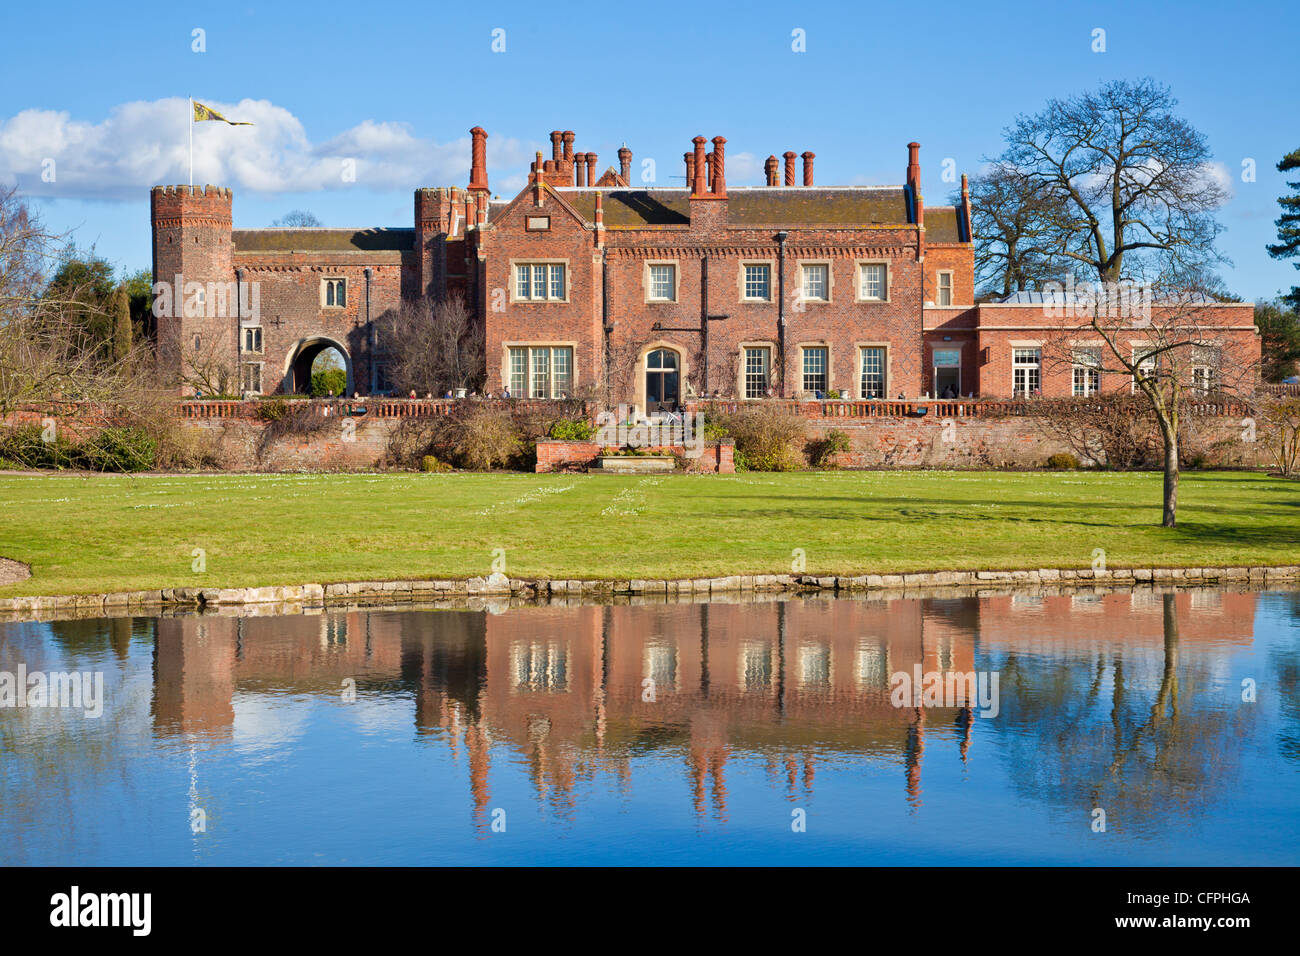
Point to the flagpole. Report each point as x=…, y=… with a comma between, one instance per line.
x=191, y=142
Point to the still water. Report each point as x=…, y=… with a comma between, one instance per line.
x=713, y=733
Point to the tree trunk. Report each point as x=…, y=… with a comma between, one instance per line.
x=1170, y=518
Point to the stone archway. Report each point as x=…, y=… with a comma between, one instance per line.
x=297, y=373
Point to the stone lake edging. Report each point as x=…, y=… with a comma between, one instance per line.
x=499, y=585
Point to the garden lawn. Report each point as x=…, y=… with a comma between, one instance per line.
x=99, y=533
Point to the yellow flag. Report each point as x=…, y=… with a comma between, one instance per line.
x=203, y=113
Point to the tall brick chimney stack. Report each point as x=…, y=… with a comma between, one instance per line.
x=769, y=169
x=698, y=171
x=720, y=167
x=914, y=184
x=579, y=169
x=690, y=169
x=591, y=169
x=808, y=158
x=478, y=159
x=625, y=163
x=789, y=167
x=556, y=152
x=568, y=136
x=965, y=210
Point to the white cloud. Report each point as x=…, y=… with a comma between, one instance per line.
x=143, y=144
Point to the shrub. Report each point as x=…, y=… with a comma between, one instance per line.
x=711, y=426
x=272, y=409
x=572, y=429
x=431, y=463
x=484, y=437
x=1062, y=461
x=822, y=451
x=25, y=447
x=120, y=448
x=767, y=438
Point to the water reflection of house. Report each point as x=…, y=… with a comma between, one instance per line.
x=585, y=690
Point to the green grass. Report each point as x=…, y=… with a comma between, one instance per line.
x=97, y=533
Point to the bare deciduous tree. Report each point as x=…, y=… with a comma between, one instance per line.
x=1011, y=220
x=432, y=346
x=1165, y=344
x=1127, y=185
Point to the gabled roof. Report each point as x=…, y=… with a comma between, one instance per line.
x=323, y=240
x=810, y=206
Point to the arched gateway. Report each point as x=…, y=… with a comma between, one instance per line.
x=297, y=374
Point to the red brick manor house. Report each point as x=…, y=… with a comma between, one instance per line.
x=588, y=284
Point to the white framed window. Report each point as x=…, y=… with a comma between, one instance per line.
x=872, y=379
x=816, y=282
x=250, y=378
x=541, y=371
x=540, y=282
x=1205, y=364
x=1085, y=374
x=1026, y=372
x=816, y=361
x=334, y=293
x=253, y=339
x=943, y=291
x=873, y=282
x=663, y=282
x=758, y=363
x=758, y=282
x=1147, y=366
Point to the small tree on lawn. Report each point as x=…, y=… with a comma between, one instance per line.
x=1165, y=344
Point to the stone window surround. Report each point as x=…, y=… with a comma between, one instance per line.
x=324, y=282
x=646, y=283
x=244, y=329
x=830, y=360
x=740, y=366
x=772, y=282
x=888, y=367
x=830, y=279
x=857, y=281
x=534, y=344
x=952, y=287
x=513, y=283
x=260, y=366
x=639, y=370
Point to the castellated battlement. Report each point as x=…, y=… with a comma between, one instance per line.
x=208, y=190
x=192, y=203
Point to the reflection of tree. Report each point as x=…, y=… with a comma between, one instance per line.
x=1147, y=747
x=1285, y=661
x=83, y=637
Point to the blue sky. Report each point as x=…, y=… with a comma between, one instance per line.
x=397, y=87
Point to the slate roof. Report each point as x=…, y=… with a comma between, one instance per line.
x=752, y=206
x=323, y=240
x=941, y=224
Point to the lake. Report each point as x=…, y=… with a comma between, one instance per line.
x=1108, y=728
